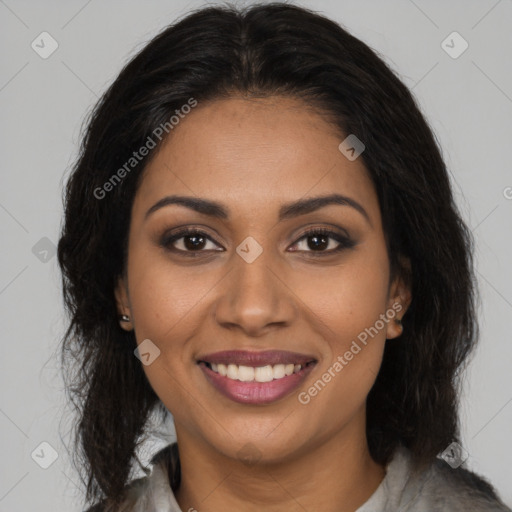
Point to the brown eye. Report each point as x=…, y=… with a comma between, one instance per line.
x=194, y=240
x=319, y=239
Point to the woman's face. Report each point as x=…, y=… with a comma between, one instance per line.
x=251, y=290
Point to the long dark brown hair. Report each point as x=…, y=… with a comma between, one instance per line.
x=260, y=51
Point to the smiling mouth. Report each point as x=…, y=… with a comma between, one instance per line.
x=266, y=373
x=256, y=377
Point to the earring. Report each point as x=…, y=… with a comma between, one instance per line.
x=124, y=318
x=400, y=325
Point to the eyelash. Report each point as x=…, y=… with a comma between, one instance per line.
x=344, y=242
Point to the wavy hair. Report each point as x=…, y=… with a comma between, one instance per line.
x=260, y=51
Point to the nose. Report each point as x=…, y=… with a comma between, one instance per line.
x=255, y=297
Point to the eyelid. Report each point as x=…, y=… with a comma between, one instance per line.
x=168, y=239
x=344, y=240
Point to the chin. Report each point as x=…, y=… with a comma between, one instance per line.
x=251, y=449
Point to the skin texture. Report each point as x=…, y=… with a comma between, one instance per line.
x=253, y=156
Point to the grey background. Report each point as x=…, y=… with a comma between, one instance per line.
x=468, y=101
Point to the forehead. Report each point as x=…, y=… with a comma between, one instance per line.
x=250, y=153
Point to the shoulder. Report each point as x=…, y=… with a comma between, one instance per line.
x=153, y=487
x=462, y=489
x=441, y=487
x=133, y=492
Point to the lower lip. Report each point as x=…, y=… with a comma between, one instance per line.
x=256, y=392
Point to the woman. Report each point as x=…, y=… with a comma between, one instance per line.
x=260, y=238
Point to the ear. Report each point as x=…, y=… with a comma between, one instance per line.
x=400, y=297
x=123, y=304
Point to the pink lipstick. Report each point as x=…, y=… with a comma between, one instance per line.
x=256, y=377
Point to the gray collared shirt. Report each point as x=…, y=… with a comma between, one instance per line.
x=439, y=488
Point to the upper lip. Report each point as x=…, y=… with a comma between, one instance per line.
x=256, y=359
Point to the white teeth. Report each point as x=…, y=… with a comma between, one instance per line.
x=263, y=374
x=246, y=373
x=232, y=371
x=278, y=371
x=250, y=374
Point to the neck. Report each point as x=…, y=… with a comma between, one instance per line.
x=337, y=475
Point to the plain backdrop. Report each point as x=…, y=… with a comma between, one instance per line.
x=467, y=99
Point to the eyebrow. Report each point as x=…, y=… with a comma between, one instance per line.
x=286, y=211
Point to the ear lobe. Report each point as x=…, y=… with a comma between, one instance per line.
x=123, y=304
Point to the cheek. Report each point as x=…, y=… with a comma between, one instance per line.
x=166, y=304
x=349, y=298
x=169, y=305
x=164, y=298
x=349, y=305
